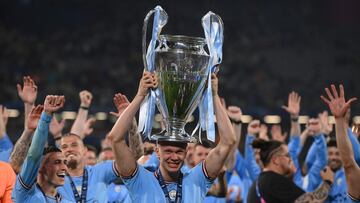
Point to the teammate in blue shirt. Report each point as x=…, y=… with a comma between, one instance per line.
x=42, y=174
x=6, y=145
x=168, y=184
x=339, y=106
x=84, y=183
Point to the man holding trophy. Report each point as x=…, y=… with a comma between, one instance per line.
x=183, y=79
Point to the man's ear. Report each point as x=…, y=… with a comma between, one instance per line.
x=157, y=151
x=275, y=161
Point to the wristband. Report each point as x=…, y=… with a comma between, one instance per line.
x=295, y=119
x=84, y=107
x=236, y=122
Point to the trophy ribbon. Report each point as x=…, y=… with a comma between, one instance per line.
x=147, y=109
x=213, y=29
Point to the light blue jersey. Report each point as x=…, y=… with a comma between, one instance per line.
x=25, y=188
x=6, y=147
x=338, y=191
x=99, y=177
x=213, y=199
x=145, y=188
x=118, y=193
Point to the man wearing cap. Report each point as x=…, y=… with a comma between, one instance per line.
x=168, y=184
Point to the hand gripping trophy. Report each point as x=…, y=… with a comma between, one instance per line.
x=183, y=68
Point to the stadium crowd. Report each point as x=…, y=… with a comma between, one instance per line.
x=131, y=169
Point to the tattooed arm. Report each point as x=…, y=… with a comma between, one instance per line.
x=22, y=145
x=135, y=141
x=20, y=150
x=318, y=196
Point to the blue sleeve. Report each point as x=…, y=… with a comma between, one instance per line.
x=153, y=163
x=250, y=162
x=198, y=176
x=141, y=183
x=319, y=164
x=355, y=145
x=106, y=171
x=239, y=166
x=34, y=156
x=311, y=156
x=6, y=147
x=294, y=146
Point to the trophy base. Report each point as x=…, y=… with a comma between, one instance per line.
x=165, y=136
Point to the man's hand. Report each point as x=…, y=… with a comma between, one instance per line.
x=326, y=127
x=234, y=113
x=29, y=91
x=314, y=126
x=85, y=98
x=254, y=127
x=263, y=134
x=88, y=127
x=337, y=104
x=214, y=84
x=56, y=127
x=276, y=133
x=148, y=80
x=293, y=107
x=120, y=102
x=53, y=103
x=34, y=117
x=327, y=174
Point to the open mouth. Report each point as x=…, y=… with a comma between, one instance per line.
x=61, y=174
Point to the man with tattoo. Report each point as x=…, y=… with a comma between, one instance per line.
x=339, y=108
x=43, y=171
x=28, y=94
x=145, y=186
x=273, y=184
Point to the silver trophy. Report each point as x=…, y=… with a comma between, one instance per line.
x=182, y=66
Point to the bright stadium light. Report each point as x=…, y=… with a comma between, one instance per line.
x=272, y=119
x=13, y=113
x=68, y=115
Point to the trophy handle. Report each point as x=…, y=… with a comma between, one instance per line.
x=144, y=30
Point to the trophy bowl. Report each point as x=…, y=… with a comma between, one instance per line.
x=181, y=67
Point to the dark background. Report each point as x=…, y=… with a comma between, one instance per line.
x=270, y=48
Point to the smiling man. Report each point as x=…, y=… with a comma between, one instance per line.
x=168, y=183
x=47, y=165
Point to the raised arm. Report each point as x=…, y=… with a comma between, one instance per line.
x=28, y=94
x=81, y=118
x=135, y=141
x=22, y=145
x=321, y=157
x=124, y=158
x=234, y=114
x=217, y=156
x=252, y=167
x=322, y=192
x=338, y=107
x=293, y=108
x=32, y=162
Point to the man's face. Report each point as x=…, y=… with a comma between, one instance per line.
x=334, y=159
x=284, y=161
x=171, y=157
x=200, y=154
x=90, y=158
x=53, y=168
x=190, y=154
x=73, y=150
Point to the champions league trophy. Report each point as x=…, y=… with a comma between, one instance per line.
x=183, y=68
